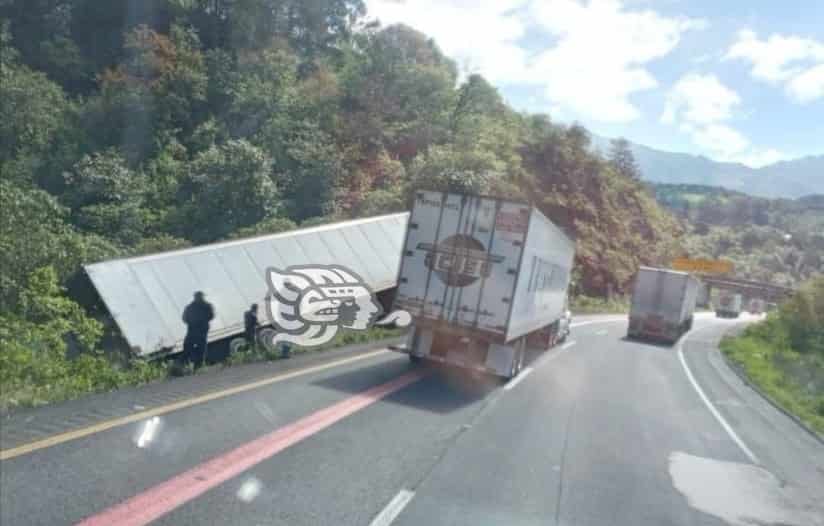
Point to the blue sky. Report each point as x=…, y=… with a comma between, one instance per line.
x=733, y=80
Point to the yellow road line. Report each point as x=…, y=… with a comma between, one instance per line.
x=174, y=406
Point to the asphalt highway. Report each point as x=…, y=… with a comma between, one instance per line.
x=598, y=431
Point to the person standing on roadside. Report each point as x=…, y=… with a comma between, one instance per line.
x=250, y=323
x=197, y=316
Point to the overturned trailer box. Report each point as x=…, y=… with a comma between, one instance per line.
x=146, y=295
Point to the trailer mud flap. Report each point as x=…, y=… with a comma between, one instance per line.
x=499, y=358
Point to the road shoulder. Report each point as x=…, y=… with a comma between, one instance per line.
x=780, y=444
x=35, y=424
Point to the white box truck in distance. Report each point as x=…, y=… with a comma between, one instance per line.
x=480, y=276
x=729, y=305
x=663, y=304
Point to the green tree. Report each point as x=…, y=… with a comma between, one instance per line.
x=309, y=165
x=623, y=160
x=159, y=86
x=34, y=113
x=229, y=187
x=449, y=169
x=107, y=197
x=313, y=27
x=399, y=93
x=803, y=315
x=273, y=225
x=35, y=233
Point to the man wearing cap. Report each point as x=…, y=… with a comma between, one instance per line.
x=197, y=316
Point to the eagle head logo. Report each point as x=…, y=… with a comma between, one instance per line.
x=308, y=304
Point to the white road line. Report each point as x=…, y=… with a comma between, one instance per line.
x=512, y=383
x=727, y=427
x=548, y=356
x=602, y=332
x=393, y=509
x=582, y=323
x=567, y=345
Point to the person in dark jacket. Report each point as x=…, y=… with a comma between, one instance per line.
x=197, y=316
x=250, y=322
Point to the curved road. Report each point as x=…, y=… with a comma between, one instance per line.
x=599, y=431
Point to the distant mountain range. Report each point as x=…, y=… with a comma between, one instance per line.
x=790, y=179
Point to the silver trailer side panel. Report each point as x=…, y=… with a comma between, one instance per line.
x=146, y=295
x=544, y=276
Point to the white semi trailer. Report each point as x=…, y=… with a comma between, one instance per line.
x=482, y=277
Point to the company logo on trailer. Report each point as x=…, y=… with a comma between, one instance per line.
x=308, y=304
x=459, y=260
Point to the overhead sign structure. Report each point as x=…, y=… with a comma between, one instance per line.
x=706, y=266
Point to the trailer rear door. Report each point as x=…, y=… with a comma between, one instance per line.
x=461, y=258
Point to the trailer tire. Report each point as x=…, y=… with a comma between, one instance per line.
x=415, y=359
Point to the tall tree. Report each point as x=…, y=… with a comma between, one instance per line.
x=623, y=160
x=229, y=187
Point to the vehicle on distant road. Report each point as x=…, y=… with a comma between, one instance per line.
x=482, y=278
x=756, y=306
x=729, y=305
x=663, y=304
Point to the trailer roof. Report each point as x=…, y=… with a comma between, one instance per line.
x=146, y=295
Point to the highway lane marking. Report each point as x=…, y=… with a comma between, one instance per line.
x=721, y=420
x=174, y=406
x=162, y=498
x=512, y=383
x=393, y=509
x=549, y=356
x=567, y=345
x=582, y=323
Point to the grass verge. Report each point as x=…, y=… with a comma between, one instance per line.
x=59, y=378
x=793, y=380
x=590, y=305
x=263, y=354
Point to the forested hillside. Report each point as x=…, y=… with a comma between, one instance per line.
x=779, y=240
x=135, y=127
x=128, y=130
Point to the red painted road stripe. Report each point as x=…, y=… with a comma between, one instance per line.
x=166, y=496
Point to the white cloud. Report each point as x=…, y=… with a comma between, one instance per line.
x=726, y=142
x=762, y=157
x=807, y=86
x=700, y=99
x=481, y=36
x=590, y=57
x=701, y=106
x=598, y=61
x=795, y=62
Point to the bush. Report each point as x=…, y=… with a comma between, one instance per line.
x=803, y=317
x=262, y=353
x=590, y=305
x=35, y=366
x=784, y=355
